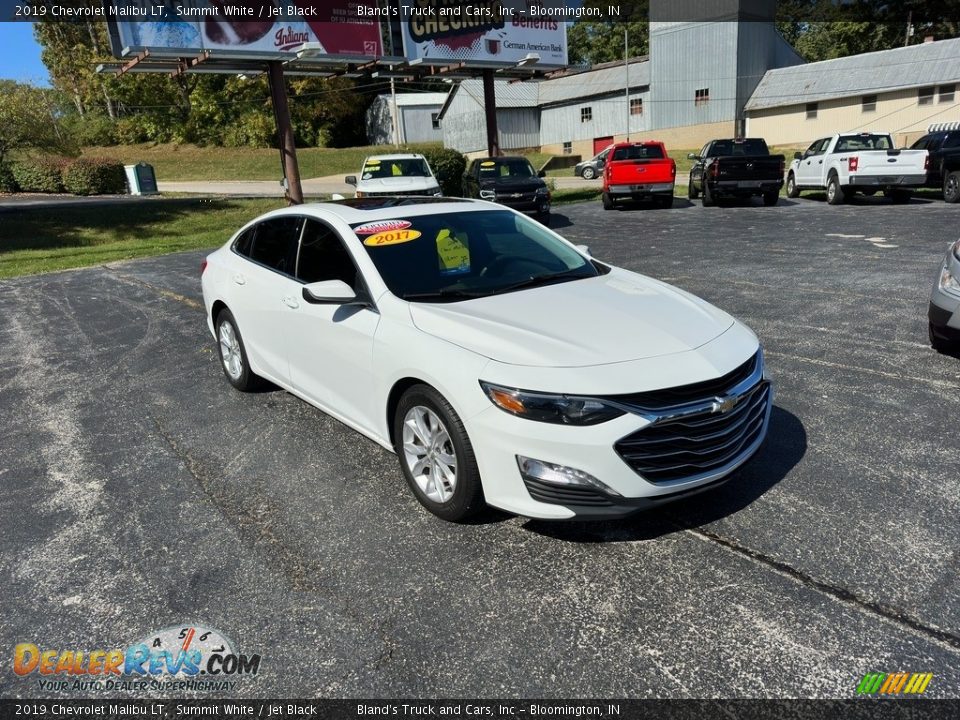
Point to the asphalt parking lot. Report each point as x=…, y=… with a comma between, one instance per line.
x=139, y=491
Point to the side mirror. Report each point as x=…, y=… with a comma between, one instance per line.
x=350, y=180
x=692, y=156
x=542, y=174
x=798, y=156
x=585, y=249
x=328, y=292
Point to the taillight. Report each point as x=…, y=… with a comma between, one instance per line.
x=853, y=163
x=673, y=169
x=782, y=167
x=715, y=169
x=203, y=266
x=926, y=162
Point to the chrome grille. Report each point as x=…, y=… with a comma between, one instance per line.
x=695, y=437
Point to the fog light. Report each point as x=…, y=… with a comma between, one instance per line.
x=560, y=475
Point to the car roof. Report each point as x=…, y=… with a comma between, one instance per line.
x=396, y=156
x=500, y=157
x=359, y=210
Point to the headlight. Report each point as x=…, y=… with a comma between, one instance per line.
x=488, y=194
x=956, y=250
x=948, y=281
x=543, y=191
x=359, y=194
x=543, y=407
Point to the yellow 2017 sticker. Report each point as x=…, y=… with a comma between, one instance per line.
x=487, y=163
x=391, y=237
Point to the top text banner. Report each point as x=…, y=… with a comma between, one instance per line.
x=244, y=28
x=502, y=32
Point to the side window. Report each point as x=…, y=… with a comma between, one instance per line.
x=921, y=144
x=952, y=141
x=812, y=150
x=275, y=244
x=244, y=243
x=323, y=256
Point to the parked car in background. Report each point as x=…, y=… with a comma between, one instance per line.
x=943, y=171
x=637, y=171
x=864, y=162
x=400, y=174
x=589, y=169
x=736, y=168
x=944, y=311
x=510, y=181
x=498, y=361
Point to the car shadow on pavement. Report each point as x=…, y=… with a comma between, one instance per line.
x=785, y=446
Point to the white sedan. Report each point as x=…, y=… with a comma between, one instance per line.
x=502, y=364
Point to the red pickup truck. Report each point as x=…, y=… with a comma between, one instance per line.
x=636, y=171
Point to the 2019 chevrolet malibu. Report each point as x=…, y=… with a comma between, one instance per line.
x=501, y=363
x=944, y=311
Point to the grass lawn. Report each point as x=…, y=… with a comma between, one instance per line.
x=189, y=162
x=44, y=239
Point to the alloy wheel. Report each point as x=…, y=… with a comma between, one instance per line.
x=230, y=350
x=429, y=454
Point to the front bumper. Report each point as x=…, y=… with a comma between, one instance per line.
x=499, y=437
x=944, y=309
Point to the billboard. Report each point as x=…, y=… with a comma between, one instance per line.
x=243, y=28
x=486, y=32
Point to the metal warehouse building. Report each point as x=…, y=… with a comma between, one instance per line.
x=418, y=114
x=732, y=74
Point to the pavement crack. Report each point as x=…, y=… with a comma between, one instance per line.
x=847, y=597
x=131, y=280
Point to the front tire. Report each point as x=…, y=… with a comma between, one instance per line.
x=233, y=354
x=436, y=457
x=951, y=187
x=588, y=173
x=835, y=195
x=692, y=192
x=544, y=218
x=939, y=344
x=793, y=191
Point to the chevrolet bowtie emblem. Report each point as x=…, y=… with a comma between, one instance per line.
x=725, y=404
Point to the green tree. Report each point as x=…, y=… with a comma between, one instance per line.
x=598, y=41
x=27, y=119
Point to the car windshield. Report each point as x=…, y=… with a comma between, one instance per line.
x=374, y=168
x=519, y=168
x=866, y=141
x=450, y=257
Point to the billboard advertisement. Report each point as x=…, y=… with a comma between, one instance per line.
x=485, y=32
x=244, y=28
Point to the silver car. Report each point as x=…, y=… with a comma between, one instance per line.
x=589, y=169
x=944, y=310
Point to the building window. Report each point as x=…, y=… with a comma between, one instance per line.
x=636, y=106
x=567, y=148
x=435, y=120
x=869, y=103
x=946, y=93
x=701, y=97
x=586, y=114
x=925, y=96
x=812, y=110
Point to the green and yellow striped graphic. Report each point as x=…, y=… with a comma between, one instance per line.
x=878, y=683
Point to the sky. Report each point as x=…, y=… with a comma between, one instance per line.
x=20, y=54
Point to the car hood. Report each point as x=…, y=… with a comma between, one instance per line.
x=613, y=318
x=397, y=184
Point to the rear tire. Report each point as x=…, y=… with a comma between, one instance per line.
x=664, y=201
x=233, y=354
x=951, y=187
x=792, y=190
x=708, y=199
x=588, y=173
x=900, y=197
x=607, y=201
x=436, y=457
x=770, y=198
x=835, y=194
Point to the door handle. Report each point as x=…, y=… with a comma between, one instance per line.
x=291, y=302
x=239, y=279
x=820, y=163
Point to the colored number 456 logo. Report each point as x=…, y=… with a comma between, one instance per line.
x=894, y=683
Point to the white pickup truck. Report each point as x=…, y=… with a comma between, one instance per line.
x=400, y=174
x=863, y=162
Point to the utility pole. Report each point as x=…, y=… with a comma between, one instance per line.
x=288, y=149
x=490, y=110
x=626, y=76
x=394, y=112
x=909, y=32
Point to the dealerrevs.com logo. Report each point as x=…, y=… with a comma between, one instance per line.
x=898, y=683
x=188, y=657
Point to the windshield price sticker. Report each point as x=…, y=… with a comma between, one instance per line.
x=454, y=253
x=371, y=228
x=391, y=237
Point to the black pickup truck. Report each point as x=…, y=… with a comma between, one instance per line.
x=737, y=168
x=943, y=171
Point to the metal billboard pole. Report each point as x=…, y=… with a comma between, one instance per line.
x=288, y=149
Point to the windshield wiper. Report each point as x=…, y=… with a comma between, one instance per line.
x=445, y=294
x=575, y=274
